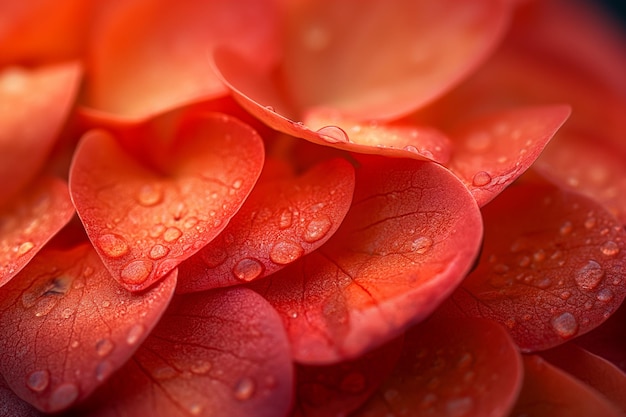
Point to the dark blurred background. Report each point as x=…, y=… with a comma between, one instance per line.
x=616, y=8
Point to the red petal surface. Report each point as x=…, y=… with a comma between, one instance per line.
x=282, y=220
x=460, y=367
x=223, y=353
x=550, y=392
x=29, y=221
x=494, y=150
x=387, y=59
x=67, y=325
x=411, y=235
x=335, y=390
x=592, y=370
x=13, y=406
x=44, y=95
x=142, y=48
x=552, y=266
x=145, y=217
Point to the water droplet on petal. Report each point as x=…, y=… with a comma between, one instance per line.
x=172, y=234
x=103, y=370
x=566, y=228
x=38, y=381
x=104, y=347
x=195, y=409
x=609, y=248
x=158, y=252
x=421, y=244
x=333, y=134
x=458, y=407
x=565, y=325
x=284, y=253
x=63, y=396
x=112, y=245
x=589, y=276
x=244, y=389
x=237, y=183
x=316, y=229
x=247, y=269
x=285, y=220
x=136, y=272
x=605, y=295
x=150, y=195
x=24, y=248
x=590, y=222
x=354, y=382
x=481, y=178
x=135, y=333
x=201, y=367
x=478, y=142
x=164, y=372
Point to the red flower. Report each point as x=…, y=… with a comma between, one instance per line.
x=311, y=208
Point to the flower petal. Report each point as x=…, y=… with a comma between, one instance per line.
x=282, y=220
x=30, y=221
x=387, y=59
x=409, y=238
x=552, y=266
x=67, y=326
x=550, y=392
x=12, y=405
x=459, y=367
x=219, y=353
x=142, y=48
x=145, y=216
x=492, y=151
x=45, y=95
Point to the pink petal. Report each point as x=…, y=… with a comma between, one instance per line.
x=384, y=60
x=550, y=392
x=551, y=266
x=494, y=150
x=222, y=353
x=30, y=221
x=67, y=326
x=281, y=221
x=142, y=50
x=44, y=95
x=460, y=367
x=410, y=237
x=137, y=208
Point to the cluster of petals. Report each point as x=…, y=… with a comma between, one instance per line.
x=312, y=208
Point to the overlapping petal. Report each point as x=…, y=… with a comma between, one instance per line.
x=67, y=326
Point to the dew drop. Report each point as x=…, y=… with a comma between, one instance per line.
x=67, y=313
x=478, y=142
x=284, y=253
x=24, y=248
x=544, y=283
x=38, y=380
x=609, y=248
x=354, y=382
x=190, y=222
x=63, y=396
x=149, y=195
x=247, y=269
x=172, y=234
x=589, y=276
x=164, y=372
x=565, y=295
x=136, y=272
x=285, y=220
x=103, y=370
x=237, y=183
x=590, y=222
x=333, y=134
x=244, y=389
x=104, y=347
x=135, y=333
x=201, y=367
x=605, y=295
x=481, y=178
x=566, y=228
x=565, y=325
x=112, y=245
x=316, y=229
x=157, y=230
x=44, y=306
x=421, y=244
x=458, y=407
x=195, y=409
x=158, y=252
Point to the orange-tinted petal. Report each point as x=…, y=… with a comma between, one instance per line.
x=34, y=105
x=458, y=367
x=552, y=266
x=281, y=221
x=146, y=216
x=222, y=353
x=409, y=238
x=151, y=56
x=67, y=326
x=30, y=221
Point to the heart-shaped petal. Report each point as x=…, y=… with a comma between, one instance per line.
x=30, y=221
x=458, y=367
x=46, y=95
x=550, y=392
x=222, y=353
x=142, y=50
x=67, y=326
x=146, y=216
x=552, y=266
x=492, y=151
x=282, y=220
x=408, y=240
